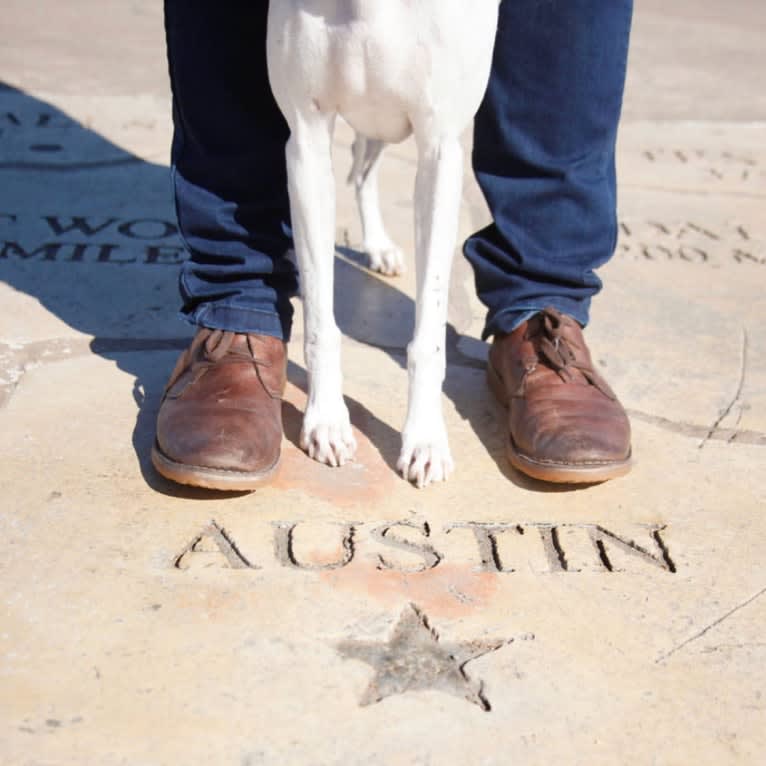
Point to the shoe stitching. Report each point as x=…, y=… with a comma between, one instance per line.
x=570, y=464
x=243, y=474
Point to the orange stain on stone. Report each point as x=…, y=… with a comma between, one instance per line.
x=448, y=590
x=361, y=482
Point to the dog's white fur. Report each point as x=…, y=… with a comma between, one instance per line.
x=390, y=68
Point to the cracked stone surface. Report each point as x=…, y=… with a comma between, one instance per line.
x=143, y=623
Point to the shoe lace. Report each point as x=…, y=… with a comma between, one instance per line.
x=215, y=347
x=557, y=351
x=220, y=343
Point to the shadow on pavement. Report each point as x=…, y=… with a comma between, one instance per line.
x=121, y=292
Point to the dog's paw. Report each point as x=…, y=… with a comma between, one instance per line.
x=329, y=441
x=386, y=259
x=425, y=462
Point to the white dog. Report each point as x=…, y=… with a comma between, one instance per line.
x=390, y=68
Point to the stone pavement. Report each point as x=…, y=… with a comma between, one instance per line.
x=342, y=616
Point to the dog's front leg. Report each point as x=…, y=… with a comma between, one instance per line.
x=326, y=434
x=425, y=455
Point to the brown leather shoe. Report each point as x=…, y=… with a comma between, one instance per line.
x=566, y=424
x=220, y=421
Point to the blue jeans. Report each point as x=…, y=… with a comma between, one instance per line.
x=544, y=146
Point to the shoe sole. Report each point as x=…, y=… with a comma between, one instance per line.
x=211, y=478
x=556, y=473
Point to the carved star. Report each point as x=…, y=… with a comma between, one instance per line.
x=415, y=658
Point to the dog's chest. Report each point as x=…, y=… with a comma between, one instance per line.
x=372, y=81
x=378, y=62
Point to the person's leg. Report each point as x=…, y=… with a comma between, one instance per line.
x=229, y=168
x=544, y=149
x=544, y=157
x=219, y=425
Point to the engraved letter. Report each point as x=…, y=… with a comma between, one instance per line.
x=220, y=539
x=164, y=254
x=486, y=537
x=285, y=553
x=132, y=229
x=78, y=223
x=602, y=538
x=557, y=560
x=49, y=250
x=105, y=255
x=383, y=534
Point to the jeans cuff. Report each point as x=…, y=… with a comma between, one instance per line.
x=507, y=320
x=236, y=319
